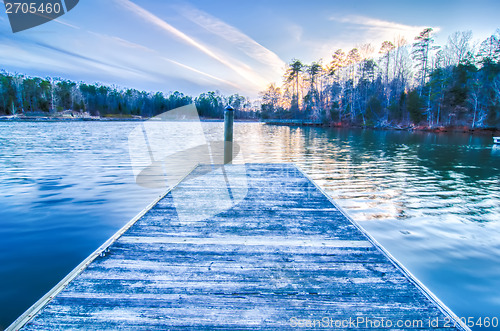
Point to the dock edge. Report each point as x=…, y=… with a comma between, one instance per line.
x=414, y=280
x=29, y=314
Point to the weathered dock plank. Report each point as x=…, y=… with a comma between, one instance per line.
x=284, y=256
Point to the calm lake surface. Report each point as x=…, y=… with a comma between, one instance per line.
x=432, y=200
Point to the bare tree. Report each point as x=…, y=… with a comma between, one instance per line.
x=353, y=58
x=386, y=50
x=365, y=51
x=271, y=98
x=459, y=48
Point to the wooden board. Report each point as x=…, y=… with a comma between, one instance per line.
x=281, y=256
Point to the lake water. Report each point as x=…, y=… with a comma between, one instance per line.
x=432, y=200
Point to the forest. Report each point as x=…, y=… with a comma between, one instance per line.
x=401, y=85
x=34, y=96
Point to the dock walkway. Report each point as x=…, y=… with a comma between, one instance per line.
x=284, y=256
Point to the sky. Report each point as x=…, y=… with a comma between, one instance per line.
x=230, y=46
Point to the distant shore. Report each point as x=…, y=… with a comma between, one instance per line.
x=420, y=128
x=62, y=119
x=24, y=118
x=58, y=118
x=285, y=122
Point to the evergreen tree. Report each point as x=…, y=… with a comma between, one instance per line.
x=421, y=53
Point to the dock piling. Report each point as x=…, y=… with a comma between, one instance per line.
x=228, y=134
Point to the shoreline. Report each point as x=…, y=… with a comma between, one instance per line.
x=11, y=118
x=293, y=122
x=66, y=119
x=100, y=119
x=420, y=128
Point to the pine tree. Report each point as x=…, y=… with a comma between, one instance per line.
x=421, y=54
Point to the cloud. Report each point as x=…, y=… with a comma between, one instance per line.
x=60, y=21
x=138, y=47
x=252, y=78
x=102, y=65
x=199, y=72
x=380, y=29
x=237, y=38
x=155, y=20
x=374, y=23
x=296, y=31
x=122, y=42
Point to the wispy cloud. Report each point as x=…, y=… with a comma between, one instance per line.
x=135, y=46
x=199, y=72
x=252, y=78
x=296, y=31
x=153, y=19
x=237, y=38
x=379, y=29
x=375, y=23
x=60, y=21
x=122, y=42
x=99, y=64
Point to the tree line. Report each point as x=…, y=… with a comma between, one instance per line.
x=400, y=84
x=20, y=94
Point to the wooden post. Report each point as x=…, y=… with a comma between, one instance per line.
x=228, y=134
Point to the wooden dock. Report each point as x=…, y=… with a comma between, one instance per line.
x=284, y=257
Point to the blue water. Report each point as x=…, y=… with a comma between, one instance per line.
x=64, y=189
x=433, y=200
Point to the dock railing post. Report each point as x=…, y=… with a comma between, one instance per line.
x=228, y=134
